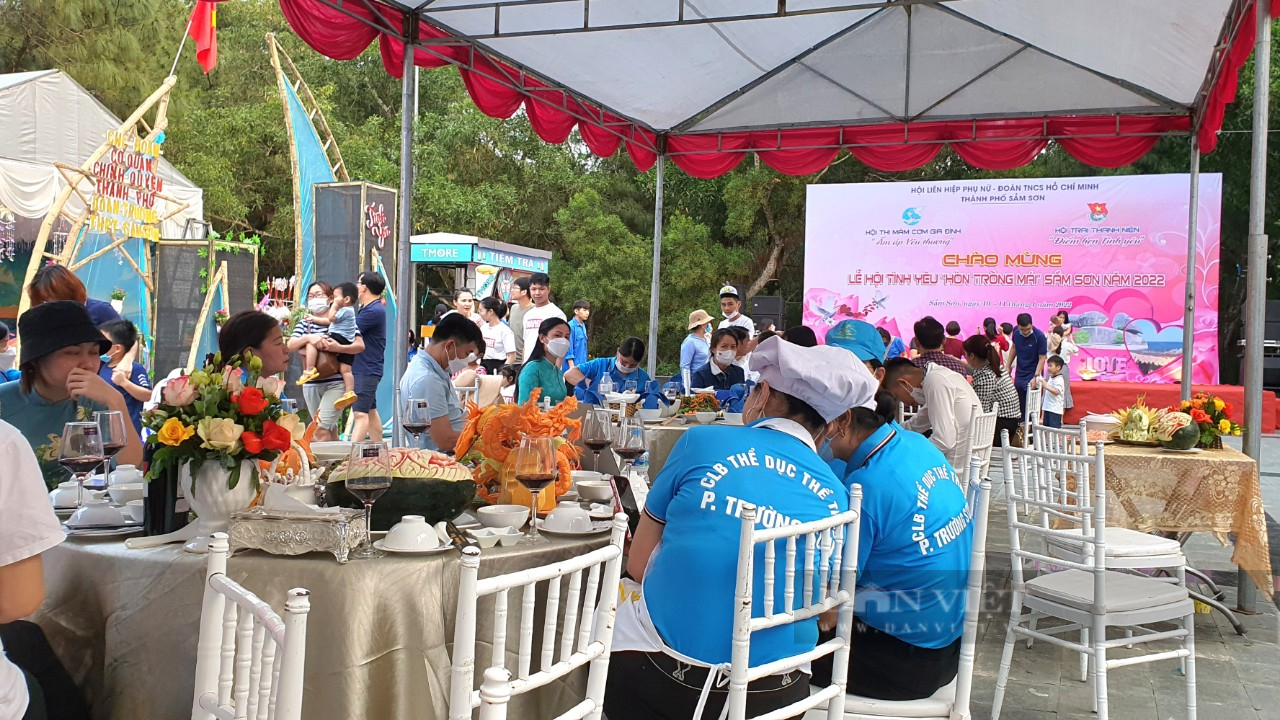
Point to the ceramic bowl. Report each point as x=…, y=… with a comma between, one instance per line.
x=567, y=517
x=733, y=418
x=125, y=474
x=96, y=512
x=489, y=537
x=705, y=417
x=331, y=451
x=65, y=495
x=136, y=510
x=121, y=494
x=412, y=533
x=496, y=516
x=595, y=490
x=653, y=415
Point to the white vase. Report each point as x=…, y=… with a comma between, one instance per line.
x=118, y=305
x=212, y=501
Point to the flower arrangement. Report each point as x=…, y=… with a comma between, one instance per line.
x=117, y=294
x=221, y=316
x=222, y=414
x=1213, y=416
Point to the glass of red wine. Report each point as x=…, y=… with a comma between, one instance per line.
x=368, y=477
x=416, y=418
x=597, y=433
x=535, y=469
x=630, y=443
x=81, y=452
x=112, y=425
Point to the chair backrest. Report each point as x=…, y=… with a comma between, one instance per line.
x=982, y=435
x=470, y=393
x=248, y=660
x=1072, y=509
x=827, y=568
x=1031, y=413
x=1052, y=478
x=585, y=636
x=978, y=497
x=906, y=413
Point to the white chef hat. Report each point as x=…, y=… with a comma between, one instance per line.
x=828, y=378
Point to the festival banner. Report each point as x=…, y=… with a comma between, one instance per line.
x=1112, y=251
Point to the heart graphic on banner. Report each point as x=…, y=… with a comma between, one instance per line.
x=1152, y=346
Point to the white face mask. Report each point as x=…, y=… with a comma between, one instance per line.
x=457, y=365
x=917, y=394
x=318, y=305
x=624, y=372
x=726, y=357
x=558, y=347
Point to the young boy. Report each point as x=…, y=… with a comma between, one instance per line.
x=133, y=382
x=1052, y=403
x=8, y=358
x=341, y=321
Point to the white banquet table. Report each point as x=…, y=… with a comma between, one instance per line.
x=379, y=634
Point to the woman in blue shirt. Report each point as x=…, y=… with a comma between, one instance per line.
x=695, y=351
x=543, y=369
x=621, y=368
x=721, y=373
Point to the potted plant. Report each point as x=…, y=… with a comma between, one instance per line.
x=117, y=299
x=220, y=317
x=1213, y=416
x=213, y=427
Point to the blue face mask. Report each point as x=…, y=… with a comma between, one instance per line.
x=824, y=450
x=105, y=358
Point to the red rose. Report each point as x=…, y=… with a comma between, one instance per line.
x=1226, y=410
x=250, y=401
x=275, y=437
x=252, y=442
x=1199, y=416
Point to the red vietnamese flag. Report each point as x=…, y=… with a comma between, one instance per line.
x=203, y=29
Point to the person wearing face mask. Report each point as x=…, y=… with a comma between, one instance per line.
x=913, y=558
x=623, y=367
x=322, y=393
x=695, y=350
x=60, y=357
x=675, y=623
x=721, y=372
x=543, y=370
x=746, y=344
x=946, y=401
x=130, y=379
x=454, y=345
x=731, y=307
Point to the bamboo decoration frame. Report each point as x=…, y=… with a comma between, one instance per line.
x=287, y=72
x=218, y=281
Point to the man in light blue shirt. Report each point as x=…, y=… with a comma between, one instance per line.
x=577, y=355
x=454, y=344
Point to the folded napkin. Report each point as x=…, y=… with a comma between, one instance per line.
x=734, y=398
x=652, y=398
x=277, y=499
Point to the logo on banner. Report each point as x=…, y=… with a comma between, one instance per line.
x=1097, y=212
x=375, y=219
x=911, y=216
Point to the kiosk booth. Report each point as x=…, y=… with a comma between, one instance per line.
x=445, y=263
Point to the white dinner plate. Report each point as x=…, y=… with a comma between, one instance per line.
x=597, y=527
x=381, y=545
x=103, y=532
x=128, y=523
x=1189, y=451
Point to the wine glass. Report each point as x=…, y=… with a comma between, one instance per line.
x=113, y=426
x=368, y=477
x=535, y=469
x=629, y=387
x=416, y=418
x=630, y=443
x=81, y=452
x=596, y=433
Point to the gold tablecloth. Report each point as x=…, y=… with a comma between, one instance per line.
x=379, y=635
x=1214, y=491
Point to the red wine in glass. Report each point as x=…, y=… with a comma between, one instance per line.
x=629, y=453
x=83, y=464
x=535, y=482
x=110, y=449
x=415, y=429
x=597, y=445
x=369, y=491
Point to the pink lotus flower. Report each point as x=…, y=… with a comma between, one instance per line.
x=179, y=391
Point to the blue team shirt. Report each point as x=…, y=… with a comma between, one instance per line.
x=1028, y=350
x=896, y=348
x=138, y=375
x=372, y=323
x=689, y=585
x=916, y=536
x=595, y=370
x=694, y=352
x=577, y=344
x=704, y=377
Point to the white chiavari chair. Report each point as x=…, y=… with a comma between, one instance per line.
x=248, y=660
x=982, y=436
x=1084, y=593
x=584, y=638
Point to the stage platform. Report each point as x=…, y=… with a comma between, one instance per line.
x=1105, y=396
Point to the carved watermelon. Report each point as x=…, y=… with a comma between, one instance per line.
x=1184, y=438
x=1169, y=424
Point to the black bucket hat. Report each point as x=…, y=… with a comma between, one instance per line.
x=51, y=326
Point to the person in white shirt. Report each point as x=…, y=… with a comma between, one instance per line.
x=946, y=402
x=28, y=527
x=464, y=304
x=542, y=309
x=1053, y=403
x=731, y=306
x=499, y=340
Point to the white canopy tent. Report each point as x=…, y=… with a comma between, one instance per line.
x=703, y=82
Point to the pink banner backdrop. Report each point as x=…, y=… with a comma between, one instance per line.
x=1112, y=251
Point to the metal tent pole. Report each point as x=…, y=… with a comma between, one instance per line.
x=1256, y=295
x=404, y=268
x=1193, y=237
x=657, y=269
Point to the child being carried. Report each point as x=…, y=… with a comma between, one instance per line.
x=341, y=321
